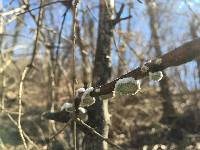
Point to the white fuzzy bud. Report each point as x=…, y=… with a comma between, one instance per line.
x=80, y=92
x=69, y=107
x=127, y=86
x=82, y=114
x=86, y=99
x=158, y=61
x=156, y=76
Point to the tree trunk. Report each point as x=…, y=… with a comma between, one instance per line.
x=168, y=109
x=98, y=113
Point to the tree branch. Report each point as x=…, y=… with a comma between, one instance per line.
x=118, y=16
x=183, y=54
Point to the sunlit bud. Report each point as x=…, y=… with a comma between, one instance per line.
x=126, y=86
x=158, y=61
x=86, y=99
x=80, y=92
x=82, y=114
x=156, y=76
x=69, y=107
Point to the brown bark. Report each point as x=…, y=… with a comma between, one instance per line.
x=168, y=109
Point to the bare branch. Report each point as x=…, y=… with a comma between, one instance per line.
x=183, y=54
x=93, y=131
x=118, y=16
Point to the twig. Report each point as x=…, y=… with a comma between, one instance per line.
x=74, y=9
x=26, y=70
x=60, y=33
x=42, y=6
x=51, y=138
x=10, y=112
x=24, y=74
x=93, y=131
x=25, y=135
x=118, y=16
x=3, y=85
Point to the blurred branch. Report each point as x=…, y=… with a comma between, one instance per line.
x=118, y=16
x=74, y=38
x=192, y=11
x=42, y=6
x=93, y=131
x=84, y=54
x=66, y=117
x=25, y=135
x=24, y=75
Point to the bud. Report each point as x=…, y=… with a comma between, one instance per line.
x=80, y=92
x=86, y=99
x=156, y=76
x=158, y=61
x=82, y=114
x=68, y=107
x=127, y=86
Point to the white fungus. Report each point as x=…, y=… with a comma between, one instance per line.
x=86, y=99
x=69, y=107
x=127, y=86
x=156, y=76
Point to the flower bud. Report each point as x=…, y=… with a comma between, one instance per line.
x=80, y=92
x=68, y=107
x=82, y=114
x=127, y=86
x=156, y=76
x=86, y=99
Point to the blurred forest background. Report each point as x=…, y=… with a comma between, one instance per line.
x=163, y=115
